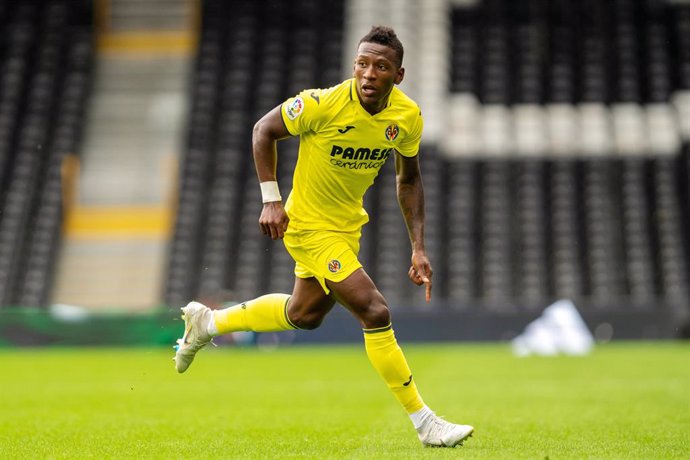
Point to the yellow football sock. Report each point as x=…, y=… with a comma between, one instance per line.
x=267, y=313
x=388, y=360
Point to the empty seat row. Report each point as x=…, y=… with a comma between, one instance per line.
x=570, y=51
x=46, y=59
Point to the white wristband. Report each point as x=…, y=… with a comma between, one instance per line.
x=270, y=191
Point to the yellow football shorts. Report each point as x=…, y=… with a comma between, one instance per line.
x=324, y=255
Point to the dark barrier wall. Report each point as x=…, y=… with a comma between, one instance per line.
x=38, y=327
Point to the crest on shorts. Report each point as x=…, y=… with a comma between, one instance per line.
x=334, y=266
x=392, y=132
x=294, y=108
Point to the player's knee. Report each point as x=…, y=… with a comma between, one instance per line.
x=376, y=315
x=307, y=321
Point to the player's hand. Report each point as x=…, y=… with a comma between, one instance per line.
x=274, y=220
x=420, y=272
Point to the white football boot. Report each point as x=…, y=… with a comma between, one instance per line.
x=196, y=318
x=436, y=432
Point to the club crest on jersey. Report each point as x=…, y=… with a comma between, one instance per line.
x=293, y=109
x=334, y=266
x=392, y=132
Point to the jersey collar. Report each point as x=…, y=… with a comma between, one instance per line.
x=355, y=98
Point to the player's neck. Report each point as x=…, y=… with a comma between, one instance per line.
x=374, y=109
x=370, y=110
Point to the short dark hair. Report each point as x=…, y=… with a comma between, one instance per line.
x=385, y=36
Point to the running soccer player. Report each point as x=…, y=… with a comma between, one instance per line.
x=347, y=132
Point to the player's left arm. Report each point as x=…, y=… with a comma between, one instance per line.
x=411, y=200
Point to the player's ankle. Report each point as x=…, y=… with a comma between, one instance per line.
x=418, y=418
x=212, y=327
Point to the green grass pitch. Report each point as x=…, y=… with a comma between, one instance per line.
x=626, y=400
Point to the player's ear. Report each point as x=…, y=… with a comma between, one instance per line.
x=400, y=75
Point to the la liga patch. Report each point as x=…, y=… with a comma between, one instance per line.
x=294, y=108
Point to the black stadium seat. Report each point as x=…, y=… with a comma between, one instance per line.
x=45, y=66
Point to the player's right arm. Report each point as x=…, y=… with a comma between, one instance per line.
x=294, y=116
x=267, y=131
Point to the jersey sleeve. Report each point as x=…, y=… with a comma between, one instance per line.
x=409, y=146
x=304, y=112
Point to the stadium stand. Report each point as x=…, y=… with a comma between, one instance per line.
x=613, y=219
x=522, y=208
x=538, y=212
x=45, y=57
x=556, y=155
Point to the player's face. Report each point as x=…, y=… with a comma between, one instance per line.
x=376, y=72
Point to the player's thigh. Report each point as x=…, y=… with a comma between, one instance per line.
x=359, y=294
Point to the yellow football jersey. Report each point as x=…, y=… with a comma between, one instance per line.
x=342, y=148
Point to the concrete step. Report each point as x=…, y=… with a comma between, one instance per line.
x=142, y=84
x=117, y=75
x=125, y=23
x=129, y=155
x=150, y=181
x=133, y=134
x=130, y=15
x=110, y=274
